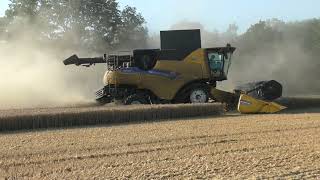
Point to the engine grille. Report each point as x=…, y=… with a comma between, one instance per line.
x=100, y=94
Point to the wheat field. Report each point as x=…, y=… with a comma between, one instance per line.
x=230, y=147
x=46, y=118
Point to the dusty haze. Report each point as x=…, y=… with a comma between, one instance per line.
x=32, y=74
x=31, y=77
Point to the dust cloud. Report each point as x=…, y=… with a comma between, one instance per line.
x=32, y=78
x=286, y=62
x=33, y=75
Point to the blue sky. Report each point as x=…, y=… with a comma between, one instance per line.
x=216, y=14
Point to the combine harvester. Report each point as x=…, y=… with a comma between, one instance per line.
x=180, y=72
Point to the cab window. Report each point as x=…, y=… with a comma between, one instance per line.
x=215, y=62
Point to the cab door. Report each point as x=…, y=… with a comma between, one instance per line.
x=216, y=65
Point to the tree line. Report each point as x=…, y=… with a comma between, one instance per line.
x=96, y=25
x=285, y=51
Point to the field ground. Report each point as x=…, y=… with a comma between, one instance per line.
x=234, y=146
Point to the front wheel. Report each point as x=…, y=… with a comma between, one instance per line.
x=103, y=101
x=136, y=99
x=199, y=95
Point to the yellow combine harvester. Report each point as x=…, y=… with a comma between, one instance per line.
x=180, y=72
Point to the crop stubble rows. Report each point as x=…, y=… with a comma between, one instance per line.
x=26, y=119
x=235, y=146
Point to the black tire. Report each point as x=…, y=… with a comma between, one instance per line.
x=184, y=95
x=136, y=99
x=103, y=101
x=198, y=94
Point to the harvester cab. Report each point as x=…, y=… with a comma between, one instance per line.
x=219, y=61
x=180, y=72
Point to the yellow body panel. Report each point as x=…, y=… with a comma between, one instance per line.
x=193, y=67
x=163, y=87
x=250, y=105
x=117, y=77
x=224, y=96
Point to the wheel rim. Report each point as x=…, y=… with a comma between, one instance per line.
x=198, y=96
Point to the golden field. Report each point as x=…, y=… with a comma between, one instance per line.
x=230, y=147
x=62, y=117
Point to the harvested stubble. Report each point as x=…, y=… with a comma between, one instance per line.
x=11, y=120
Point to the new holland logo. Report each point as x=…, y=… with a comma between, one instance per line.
x=245, y=103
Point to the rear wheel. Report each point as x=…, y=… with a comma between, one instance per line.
x=136, y=99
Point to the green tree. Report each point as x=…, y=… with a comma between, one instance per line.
x=132, y=33
x=23, y=8
x=3, y=28
x=259, y=38
x=232, y=33
x=96, y=25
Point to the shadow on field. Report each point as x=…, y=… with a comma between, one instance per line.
x=300, y=105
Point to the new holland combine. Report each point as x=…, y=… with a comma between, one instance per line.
x=180, y=72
